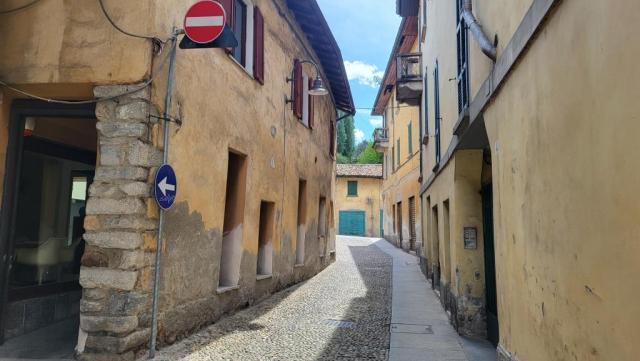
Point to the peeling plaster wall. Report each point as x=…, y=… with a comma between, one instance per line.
x=68, y=45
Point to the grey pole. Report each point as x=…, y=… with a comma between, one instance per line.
x=165, y=158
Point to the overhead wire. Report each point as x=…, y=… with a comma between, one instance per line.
x=117, y=27
x=2, y=12
x=148, y=82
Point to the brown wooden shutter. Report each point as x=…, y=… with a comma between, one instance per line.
x=258, y=45
x=297, y=88
x=229, y=8
x=311, y=105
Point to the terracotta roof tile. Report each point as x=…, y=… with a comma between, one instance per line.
x=359, y=170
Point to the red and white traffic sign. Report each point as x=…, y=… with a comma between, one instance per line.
x=204, y=21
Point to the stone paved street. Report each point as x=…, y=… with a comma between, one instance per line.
x=371, y=304
x=342, y=313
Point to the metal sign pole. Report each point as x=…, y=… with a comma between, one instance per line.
x=165, y=156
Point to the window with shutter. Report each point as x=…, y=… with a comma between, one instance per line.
x=229, y=7
x=352, y=188
x=332, y=138
x=258, y=45
x=410, y=141
x=297, y=88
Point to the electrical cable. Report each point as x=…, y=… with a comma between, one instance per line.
x=2, y=12
x=96, y=100
x=113, y=23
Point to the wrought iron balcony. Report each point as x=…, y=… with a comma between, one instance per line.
x=409, y=78
x=380, y=139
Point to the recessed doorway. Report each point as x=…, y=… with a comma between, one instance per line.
x=51, y=159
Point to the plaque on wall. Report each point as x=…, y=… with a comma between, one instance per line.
x=470, y=238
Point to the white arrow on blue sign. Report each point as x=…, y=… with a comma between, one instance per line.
x=165, y=186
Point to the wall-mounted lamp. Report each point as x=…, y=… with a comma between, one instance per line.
x=317, y=86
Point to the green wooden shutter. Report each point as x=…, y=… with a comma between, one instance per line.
x=352, y=188
x=398, y=153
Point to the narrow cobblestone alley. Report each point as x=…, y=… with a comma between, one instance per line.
x=343, y=313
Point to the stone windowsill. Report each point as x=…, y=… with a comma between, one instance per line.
x=263, y=277
x=222, y=290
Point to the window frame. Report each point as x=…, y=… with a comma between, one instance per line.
x=462, y=51
x=349, y=188
x=247, y=42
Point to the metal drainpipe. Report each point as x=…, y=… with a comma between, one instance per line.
x=485, y=44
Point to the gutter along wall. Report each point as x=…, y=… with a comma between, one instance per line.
x=222, y=109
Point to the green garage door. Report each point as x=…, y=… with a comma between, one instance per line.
x=351, y=223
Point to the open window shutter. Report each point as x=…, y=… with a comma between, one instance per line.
x=258, y=45
x=311, y=105
x=297, y=88
x=229, y=8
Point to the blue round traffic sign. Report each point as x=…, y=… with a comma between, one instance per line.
x=166, y=186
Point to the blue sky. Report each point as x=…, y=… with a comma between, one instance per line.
x=365, y=31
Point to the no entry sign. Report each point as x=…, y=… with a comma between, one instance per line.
x=204, y=21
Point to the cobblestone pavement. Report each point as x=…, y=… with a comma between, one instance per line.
x=343, y=313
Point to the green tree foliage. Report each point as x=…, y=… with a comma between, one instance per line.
x=370, y=156
x=341, y=137
x=342, y=159
x=349, y=128
x=360, y=148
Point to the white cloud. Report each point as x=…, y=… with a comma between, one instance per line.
x=365, y=74
x=375, y=122
x=358, y=135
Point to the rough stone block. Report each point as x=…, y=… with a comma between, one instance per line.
x=94, y=294
x=118, y=345
x=119, y=240
x=94, y=257
x=115, y=206
x=126, y=222
x=119, y=324
x=128, y=303
x=127, y=260
x=112, y=154
x=143, y=154
x=106, y=190
x=87, y=306
x=135, y=110
x=106, y=110
x=120, y=173
x=121, y=129
x=99, y=277
x=136, y=189
x=91, y=223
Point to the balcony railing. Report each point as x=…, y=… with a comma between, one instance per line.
x=380, y=139
x=409, y=78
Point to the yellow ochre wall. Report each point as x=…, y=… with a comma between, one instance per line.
x=367, y=200
x=222, y=107
x=562, y=133
x=401, y=179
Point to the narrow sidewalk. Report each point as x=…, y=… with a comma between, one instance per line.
x=420, y=328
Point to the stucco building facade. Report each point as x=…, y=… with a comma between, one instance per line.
x=525, y=183
x=399, y=140
x=358, y=200
x=252, y=149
